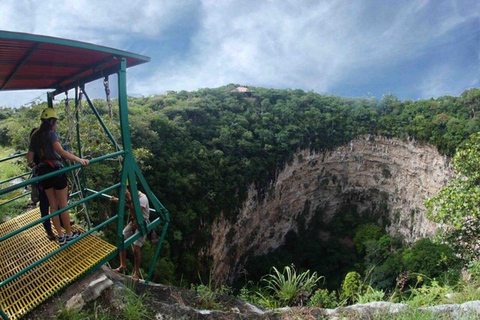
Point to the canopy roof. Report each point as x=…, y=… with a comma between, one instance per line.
x=30, y=61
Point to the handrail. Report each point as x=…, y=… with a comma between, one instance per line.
x=14, y=156
x=106, y=196
x=55, y=173
x=2, y=203
x=16, y=177
x=93, y=196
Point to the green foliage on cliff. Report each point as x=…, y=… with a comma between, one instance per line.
x=457, y=204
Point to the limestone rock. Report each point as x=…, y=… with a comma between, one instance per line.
x=369, y=172
x=92, y=292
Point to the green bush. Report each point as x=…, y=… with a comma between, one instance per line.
x=351, y=287
x=287, y=287
x=370, y=295
x=427, y=295
x=366, y=232
x=323, y=299
x=432, y=260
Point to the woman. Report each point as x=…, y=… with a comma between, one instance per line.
x=45, y=145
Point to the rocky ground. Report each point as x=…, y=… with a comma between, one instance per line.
x=172, y=303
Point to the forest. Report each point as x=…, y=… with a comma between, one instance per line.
x=201, y=150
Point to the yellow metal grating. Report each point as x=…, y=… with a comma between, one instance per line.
x=36, y=285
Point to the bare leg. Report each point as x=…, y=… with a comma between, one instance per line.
x=53, y=208
x=62, y=201
x=136, y=262
x=123, y=261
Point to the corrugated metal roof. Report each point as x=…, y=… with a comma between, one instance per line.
x=30, y=61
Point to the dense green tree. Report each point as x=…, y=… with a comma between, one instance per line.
x=457, y=205
x=200, y=151
x=430, y=259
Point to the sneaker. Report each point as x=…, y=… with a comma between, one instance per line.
x=62, y=240
x=74, y=236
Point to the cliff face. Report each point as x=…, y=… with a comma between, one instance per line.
x=387, y=177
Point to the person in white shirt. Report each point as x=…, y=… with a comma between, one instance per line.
x=130, y=230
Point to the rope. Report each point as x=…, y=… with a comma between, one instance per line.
x=107, y=93
x=70, y=121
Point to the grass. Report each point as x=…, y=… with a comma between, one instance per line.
x=288, y=286
x=208, y=293
x=417, y=314
x=135, y=307
x=10, y=168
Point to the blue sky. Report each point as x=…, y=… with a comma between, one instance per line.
x=414, y=49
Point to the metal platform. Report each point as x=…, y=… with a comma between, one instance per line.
x=26, y=292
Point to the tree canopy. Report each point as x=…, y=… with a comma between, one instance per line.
x=201, y=150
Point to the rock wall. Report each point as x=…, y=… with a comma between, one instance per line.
x=371, y=172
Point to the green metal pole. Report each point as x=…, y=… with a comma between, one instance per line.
x=121, y=206
x=14, y=156
x=16, y=198
x=123, y=106
x=157, y=252
x=50, y=99
x=156, y=203
x=127, y=147
x=16, y=177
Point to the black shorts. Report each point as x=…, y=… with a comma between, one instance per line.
x=58, y=182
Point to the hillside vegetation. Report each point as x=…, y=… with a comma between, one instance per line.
x=201, y=150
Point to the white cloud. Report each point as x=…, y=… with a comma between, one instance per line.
x=106, y=22
x=313, y=45
x=438, y=81
x=309, y=45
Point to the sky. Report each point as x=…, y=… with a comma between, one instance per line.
x=413, y=49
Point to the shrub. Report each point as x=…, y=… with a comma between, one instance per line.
x=288, y=287
x=431, y=259
x=351, y=287
x=323, y=299
x=427, y=295
x=366, y=232
x=207, y=294
x=370, y=295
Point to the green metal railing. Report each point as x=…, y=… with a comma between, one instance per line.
x=93, y=194
x=13, y=156
x=58, y=172
x=16, y=177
